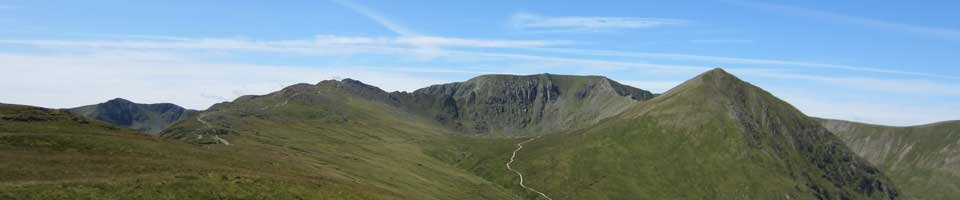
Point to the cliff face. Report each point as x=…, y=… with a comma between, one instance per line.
x=519, y=105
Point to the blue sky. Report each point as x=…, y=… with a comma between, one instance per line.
x=885, y=62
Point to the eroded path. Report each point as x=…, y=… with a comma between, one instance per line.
x=204, y=122
x=513, y=158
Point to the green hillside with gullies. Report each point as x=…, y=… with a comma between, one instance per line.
x=584, y=137
x=713, y=137
x=923, y=160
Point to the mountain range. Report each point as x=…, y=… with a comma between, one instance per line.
x=569, y=137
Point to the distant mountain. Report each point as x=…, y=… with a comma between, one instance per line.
x=923, y=160
x=149, y=118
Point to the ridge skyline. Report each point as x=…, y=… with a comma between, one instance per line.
x=506, y=74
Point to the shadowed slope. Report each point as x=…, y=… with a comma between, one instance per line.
x=923, y=160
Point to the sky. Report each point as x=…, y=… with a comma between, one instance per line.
x=882, y=62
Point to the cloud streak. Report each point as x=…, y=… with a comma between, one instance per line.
x=321, y=44
x=749, y=61
x=377, y=17
x=534, y=22
x=329, y=45
x=942, y=33
x=881, y=85
x=721, y=41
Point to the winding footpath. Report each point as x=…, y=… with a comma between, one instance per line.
x=224, y=141
x=204, y=122
x=513, y=158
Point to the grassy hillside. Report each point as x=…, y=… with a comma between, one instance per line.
x=305, y=142
x=333, y=129
x=924, y=160
x=714, y=137
x=149, y=118
x=63, y=156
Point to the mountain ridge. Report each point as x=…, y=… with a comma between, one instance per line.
x=499, y=105
x=714, y=136
x=524, y=104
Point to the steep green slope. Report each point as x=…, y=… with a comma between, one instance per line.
x=923, y=160
x=714, y=137
x=523, y=105
x=341, y=129
x=53, y=154
x=149, y=118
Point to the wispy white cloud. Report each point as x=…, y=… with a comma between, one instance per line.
x=943, y=33
x=412, y=46
x=587, y=63
x=204, y=43
x=446, y=41
x=328, y=45
x=435, y=41
x=893, y=86
x=867, y=110
x=377, y=17
x=770, y=63
x=427, y=46
x=721, y=41
x=534, y=22
x=321, y=45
